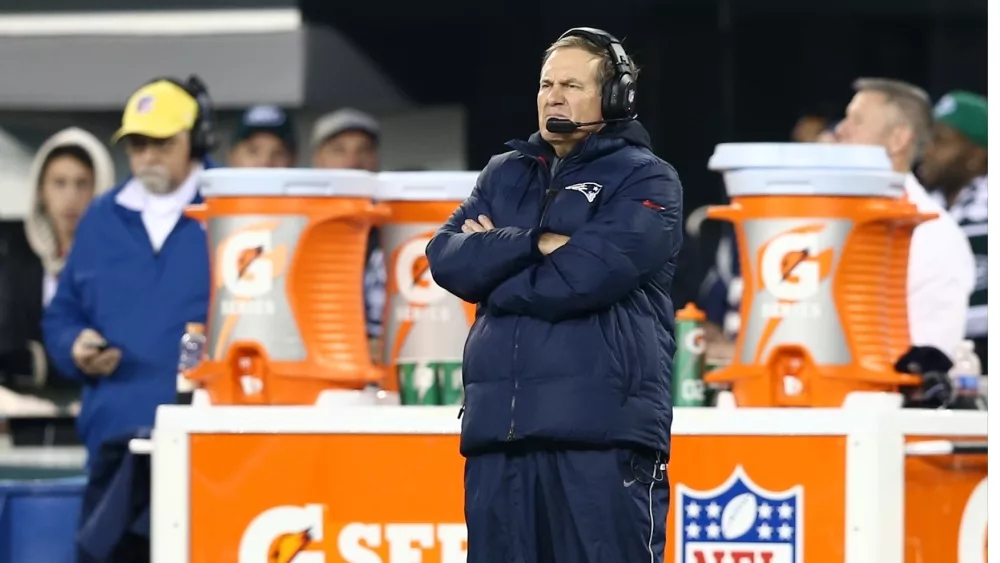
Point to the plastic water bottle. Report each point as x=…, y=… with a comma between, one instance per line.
x=964, y=375
x=192, y=351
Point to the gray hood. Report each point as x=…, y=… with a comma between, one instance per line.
x=37, y=226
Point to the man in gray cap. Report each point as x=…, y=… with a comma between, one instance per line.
x=349, y=138
x=346, y=138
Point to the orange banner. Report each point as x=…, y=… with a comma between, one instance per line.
x=365, y=498
x=946, y=507
x=319, y=498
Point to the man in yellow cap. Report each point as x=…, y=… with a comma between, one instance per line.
x=138, y=269
x=162, y=129
x=137, y=273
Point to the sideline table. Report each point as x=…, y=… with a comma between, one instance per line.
x=384, y=484
x=39, y=462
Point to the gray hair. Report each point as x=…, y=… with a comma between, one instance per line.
x=912, y=103
x=607, y=67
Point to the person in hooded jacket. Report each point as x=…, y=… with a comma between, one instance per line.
x=68, y=171
x=138, y=270
x=568, y=245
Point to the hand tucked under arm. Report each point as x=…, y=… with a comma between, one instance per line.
x=630, y=239
x=469, y=256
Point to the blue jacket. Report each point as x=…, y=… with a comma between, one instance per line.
x=576, y=347
x=139, y=300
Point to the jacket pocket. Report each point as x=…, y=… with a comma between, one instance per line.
x=466, y=358
x=647, y=352
x=616, y=328
x=638, y=350
x=489, y=350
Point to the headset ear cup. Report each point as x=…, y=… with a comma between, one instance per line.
x=203, y=134
x=607, y=100
x=208, y=124
x=610, y=100
x=627, y=99
x=618, y=98
x=207, y=127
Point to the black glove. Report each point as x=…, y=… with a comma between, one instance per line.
x=932, y=365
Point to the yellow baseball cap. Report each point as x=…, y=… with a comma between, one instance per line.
x=159, y=110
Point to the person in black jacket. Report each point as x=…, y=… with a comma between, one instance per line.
x=69, y=169
x=568, y=244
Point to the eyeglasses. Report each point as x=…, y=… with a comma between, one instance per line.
x=137, y=144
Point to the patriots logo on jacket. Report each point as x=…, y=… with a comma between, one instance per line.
x=588, y=189
x=739, y=521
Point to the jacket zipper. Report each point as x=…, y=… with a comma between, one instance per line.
x=513, y=394
x=550, y=194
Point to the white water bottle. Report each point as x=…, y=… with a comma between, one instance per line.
x=964, y=375
x=192, y=350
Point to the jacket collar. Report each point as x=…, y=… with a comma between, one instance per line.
x=135, y=197
x=609, y=139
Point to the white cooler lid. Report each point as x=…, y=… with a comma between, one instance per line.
x=806, y=169
x=732, y=156
x=425, y=186
x=286, y=182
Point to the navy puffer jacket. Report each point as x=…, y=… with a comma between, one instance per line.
x=575, y=347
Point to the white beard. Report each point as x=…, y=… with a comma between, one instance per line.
x=156, y=180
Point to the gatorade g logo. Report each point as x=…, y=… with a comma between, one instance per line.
x=791, y=267
x=249, y=262
x=284, y=534
x=413, y=273
x=792, y=264
x=694, y=340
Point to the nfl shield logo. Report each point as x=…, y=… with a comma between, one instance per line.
x=739, y=522
x=144, y=104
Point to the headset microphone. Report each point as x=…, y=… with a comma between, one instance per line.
x=562, y=126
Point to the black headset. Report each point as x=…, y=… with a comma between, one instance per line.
x=203, y=131
x=618, y=92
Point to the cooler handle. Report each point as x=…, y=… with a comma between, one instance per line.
x=374, y=212
x=724, y=212
x=380, y=213
x=903, y=215
x=197, y=211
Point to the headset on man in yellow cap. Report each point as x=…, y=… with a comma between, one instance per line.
x=165, y=107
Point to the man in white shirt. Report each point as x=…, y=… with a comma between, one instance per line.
x=941, y=276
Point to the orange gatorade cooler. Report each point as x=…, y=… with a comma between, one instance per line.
x=287, y=251
x=823, y=233
x=425, y=326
